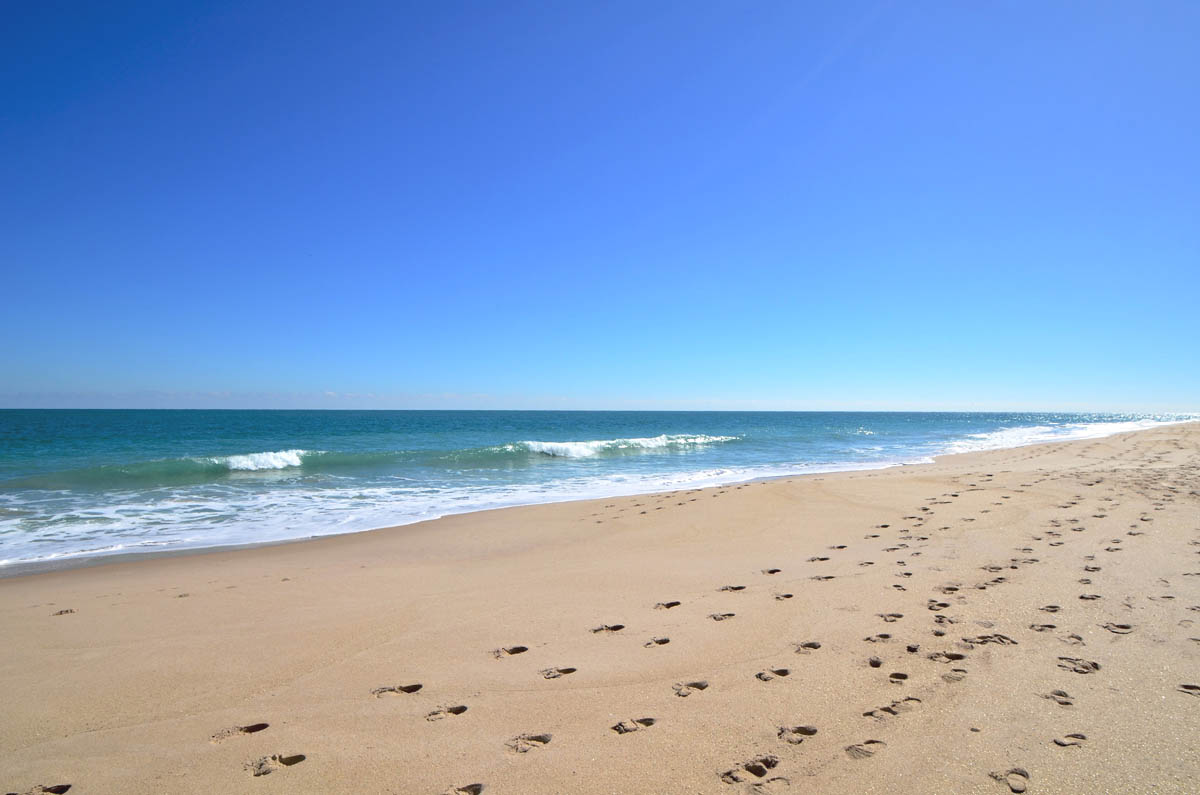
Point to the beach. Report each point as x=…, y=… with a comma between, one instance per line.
x=1015, y=620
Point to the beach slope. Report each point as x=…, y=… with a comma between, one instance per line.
x=1015, y=620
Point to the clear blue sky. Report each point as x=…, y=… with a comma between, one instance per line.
x=601, y=205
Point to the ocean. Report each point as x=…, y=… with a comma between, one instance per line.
x=91, y=482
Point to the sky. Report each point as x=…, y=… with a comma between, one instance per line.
x=619, y=205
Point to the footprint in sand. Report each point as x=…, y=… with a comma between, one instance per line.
x=38, y=789
x=1070, y=740
x=893, y=709
x=233, y=731
x=66, y=612
x=1042, y=627
x=467, y=789
x=890, y=618
x=782, y=596
x=656, y=642
x=882, y=637
x=1060, y=697
x=442, y=712
x=1016, y=778
x=817, y=559
x=822, y=577
x=380, y=692
x=266, y=765
x=508, y=651
x=1078, y=665
x=608, y=628
x=795, y=734
x=636, y=724
x=757, y=767
x=721, y=616
x=524, y=743
x=807, y=646
x=865, y=749
x=1050, y=608
x=555, y=673
x=1191, y=690
x=685, y=689
x=732, y=588
x=771, y=673
x=666, y=605
x=955, y=675
x=771, y=571
x=1089, y=597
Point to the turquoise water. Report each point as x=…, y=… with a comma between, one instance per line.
x=93, y=482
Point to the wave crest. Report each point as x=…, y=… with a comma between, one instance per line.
x=255, y=462
x=595, y=447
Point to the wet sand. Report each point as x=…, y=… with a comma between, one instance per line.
x=1014, y=620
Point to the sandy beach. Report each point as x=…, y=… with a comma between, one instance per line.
x=1015, y=620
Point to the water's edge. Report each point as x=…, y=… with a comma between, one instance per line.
x=71, y=562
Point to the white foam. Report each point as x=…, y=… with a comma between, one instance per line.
x=254, y=462
x=1037, y=434
x=594, y=447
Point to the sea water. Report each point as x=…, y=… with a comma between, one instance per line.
x=89, y=482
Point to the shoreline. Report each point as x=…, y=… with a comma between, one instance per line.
x=73, y=561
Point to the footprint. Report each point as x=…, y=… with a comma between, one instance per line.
x=66, y=612
x=524, y=743
x=880, y=638
x=721, y=616
x=442, y=712
x=890, y=618
x=822, y=577
x=893, y=709
x=1050, y=609
x=732, y=588
x=946, y=656
x=934, y=604
x=781, y=596
x=807, y=646
x=771, y=571
x=555, y=673
x=379, y=692
x=609, y=628
x=955, y=675
x=1078, y=665
x=756, y=767
x=997, y=638
x=627, y=726
x=771, y=673
x=468, y=789
x=897, y=678
x=864, y=749
x=1060, y=697
x=1042, y=627
x=656, y=642
x=666, y=605
x=1089, y=597
x=1017, y=779
x=1191, y=690
x=796, y=734
x=509, y=651
x=817, y=559
x=685, y=689
x=1069, y=740
x=225, y=734
x=266, y=765
x=874, y=662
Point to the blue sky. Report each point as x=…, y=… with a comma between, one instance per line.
x=884, y=205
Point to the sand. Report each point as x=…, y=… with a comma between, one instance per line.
x=1018, y=619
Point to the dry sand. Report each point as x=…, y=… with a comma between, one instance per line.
x=916, y=629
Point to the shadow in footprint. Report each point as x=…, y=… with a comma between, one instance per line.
x=685, y=689
x=628, y=726
x=795, y=734
x=269, y=764
x=864, y=749
x=442, y=712
x=233, y=731
x=555, y=673
x=757, y=767
x=379, y=692
x=524, y=743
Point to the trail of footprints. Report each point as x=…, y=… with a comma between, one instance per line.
x=761, y=771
